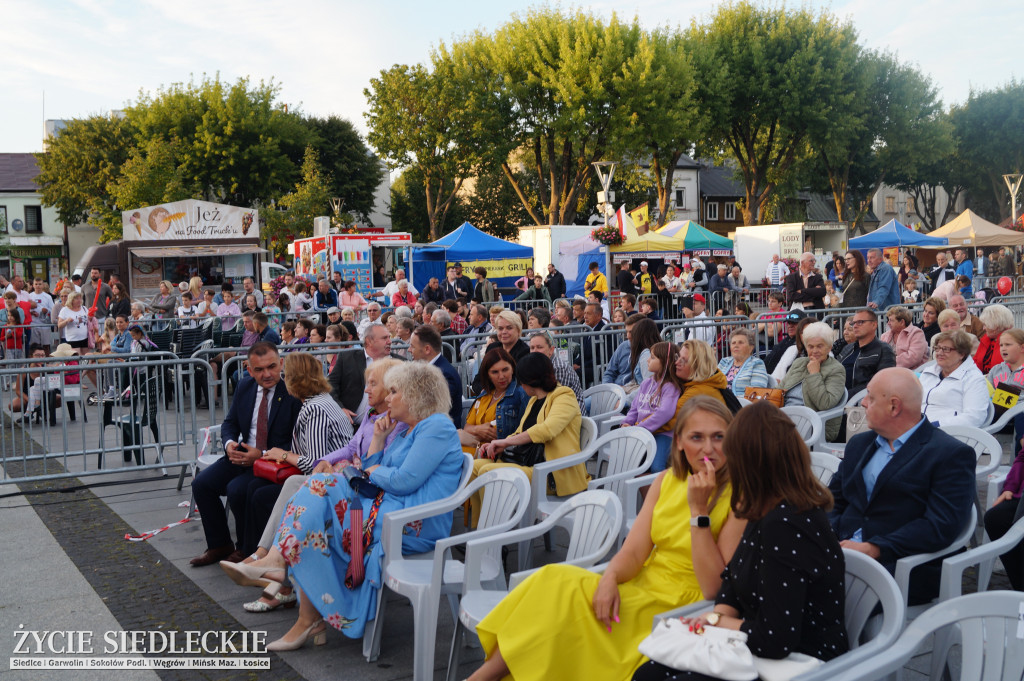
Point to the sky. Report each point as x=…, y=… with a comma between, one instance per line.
x=63, y=59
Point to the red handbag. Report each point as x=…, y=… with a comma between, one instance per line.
x=274, y=471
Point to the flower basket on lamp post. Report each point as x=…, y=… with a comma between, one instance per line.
x=609, y=236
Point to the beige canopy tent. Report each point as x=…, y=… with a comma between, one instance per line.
x=972, y=230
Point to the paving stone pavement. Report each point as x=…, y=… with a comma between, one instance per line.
x=68, y=567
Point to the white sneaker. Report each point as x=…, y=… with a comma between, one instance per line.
x=110, y=394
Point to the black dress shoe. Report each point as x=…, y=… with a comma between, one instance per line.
x=211, y=556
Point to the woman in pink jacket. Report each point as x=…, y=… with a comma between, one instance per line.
x=907, y=340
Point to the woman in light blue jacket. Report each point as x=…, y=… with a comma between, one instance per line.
x=743, y=369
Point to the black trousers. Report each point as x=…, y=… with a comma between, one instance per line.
x=998, y=520
x=224, y=478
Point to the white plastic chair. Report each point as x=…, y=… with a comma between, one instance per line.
x=621, y=455
x=607, y=401
x=824, y=466
x=772, y=383
x=807, y=423
x=631, y=502
x=907, y=563
x=1007, y=417
x=986, y=625
x=836, y=411
x=423, y=582
x=594, y=518
x=207, y=454
x=982, y=443
x=868, y=585
x=839, y=448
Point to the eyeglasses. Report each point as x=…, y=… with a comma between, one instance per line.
x=943, y=349
x=858, y=322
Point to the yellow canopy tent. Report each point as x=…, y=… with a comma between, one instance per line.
x=652, y=242
x=972, y=230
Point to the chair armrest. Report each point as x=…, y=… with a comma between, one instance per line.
x=539, y=479
x=954, y=566
x=391, y=532
x=632, y=488
x=684, y=611
x=982, y=472
x=907, y=563
x=608, y=480
x=1005, y=418
x=995, y=483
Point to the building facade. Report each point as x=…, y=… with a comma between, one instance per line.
x=32, y=240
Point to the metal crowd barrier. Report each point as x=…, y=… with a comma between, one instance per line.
x=148, y=399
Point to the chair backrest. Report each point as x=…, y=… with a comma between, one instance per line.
x=588, y=431
x=824, y=466
x=467, y=405
x=504, y=494
x=190, y=339
x=595, y=516
x=977, y=439
x=605, y=398
x=989, y=414
x=856, y=398
x=631, y=450
x=869, y=585
x=467, y=470
x=162, y=339
x=986, y=626
x=807, y=422
x=205, y=345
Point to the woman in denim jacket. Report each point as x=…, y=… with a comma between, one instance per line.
x=497, y=411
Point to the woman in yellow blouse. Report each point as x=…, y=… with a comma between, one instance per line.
x=497, y=411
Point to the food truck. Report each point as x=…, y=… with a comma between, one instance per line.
x=179, y=240
x=356, y=256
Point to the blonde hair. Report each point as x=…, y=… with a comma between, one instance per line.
x=424, y=389
x=511, y=318
x=702, y=360
x=195, y=287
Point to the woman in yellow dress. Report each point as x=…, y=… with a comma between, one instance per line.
x=665, y=562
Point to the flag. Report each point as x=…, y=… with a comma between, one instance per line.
x=641, y=218
x=620, y=220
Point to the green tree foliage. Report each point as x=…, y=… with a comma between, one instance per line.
x=893, y=126
x=355, y=172
x=79, y=166
x=767, y=78
x=416, y=118
x=990, y=134
x=548, y=86
x=309, y=199
x=661, y=116
x=408, y=208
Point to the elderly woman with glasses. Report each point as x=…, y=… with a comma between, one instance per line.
x=955, y=391
x=907, y=341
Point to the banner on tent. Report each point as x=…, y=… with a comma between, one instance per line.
x=707, y=253
x=511, y=267
x=653, y=255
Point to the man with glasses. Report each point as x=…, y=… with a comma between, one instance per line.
x=865, y=356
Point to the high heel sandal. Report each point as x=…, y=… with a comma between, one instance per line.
x=247, y=574
x=273, y=593
x=319, y=638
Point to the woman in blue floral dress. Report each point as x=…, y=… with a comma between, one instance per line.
x=420, y=466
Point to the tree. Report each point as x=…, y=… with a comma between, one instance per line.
x=766, y=79
x=990, y=131
x=661, y=116
x=310, y=199
x=545, y=89
x=893, y=127
x=417, y=118
x=493, y=206
x=79, y=165
x=344, y=156
x=408, y=209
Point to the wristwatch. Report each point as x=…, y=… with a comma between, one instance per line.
x=700, y=521
x=712, y=618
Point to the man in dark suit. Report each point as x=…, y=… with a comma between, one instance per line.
x=347, y=380
x=805, y=285
x=262, y=416
x=425, y=346
x=904, y=487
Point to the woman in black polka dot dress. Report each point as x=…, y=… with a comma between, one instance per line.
x=785, y=584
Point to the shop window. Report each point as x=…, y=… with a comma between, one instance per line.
x=712, y=211
x=33, y=219
x=729, y=211
x=3, y=219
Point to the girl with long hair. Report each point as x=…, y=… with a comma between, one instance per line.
x=654, y=404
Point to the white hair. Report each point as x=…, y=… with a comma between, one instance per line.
x=819, y=331
x=997, y=317
x=403, y=312
x=372, y=325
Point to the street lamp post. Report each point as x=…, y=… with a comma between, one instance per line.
x=1012, y=181
x=605, y=170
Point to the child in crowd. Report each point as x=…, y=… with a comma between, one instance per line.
x=910, y=292
x=12, y=320
x=228, y=312
x=654, y=405
x=835, y=299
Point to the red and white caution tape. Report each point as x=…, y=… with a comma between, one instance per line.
x=147, y=535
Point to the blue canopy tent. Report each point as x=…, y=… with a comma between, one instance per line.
x=504, y=261
x=896, y=235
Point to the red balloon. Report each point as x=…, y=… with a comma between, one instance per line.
x=1005, y=285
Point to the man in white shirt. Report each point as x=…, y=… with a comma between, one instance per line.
x=706, y=332
x=372, y=315
x=43, y=305
x=392, y=288
x=777, y=272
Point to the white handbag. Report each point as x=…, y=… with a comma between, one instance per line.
x=720, y=653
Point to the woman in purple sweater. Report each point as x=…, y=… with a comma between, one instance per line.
x=349, y=455
x=654, y=405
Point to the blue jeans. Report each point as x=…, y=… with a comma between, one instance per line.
x=663, y=453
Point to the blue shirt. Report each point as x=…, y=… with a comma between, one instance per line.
x=884, y=453
x=122, y=342
x=884, y=289
x=965, y=268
